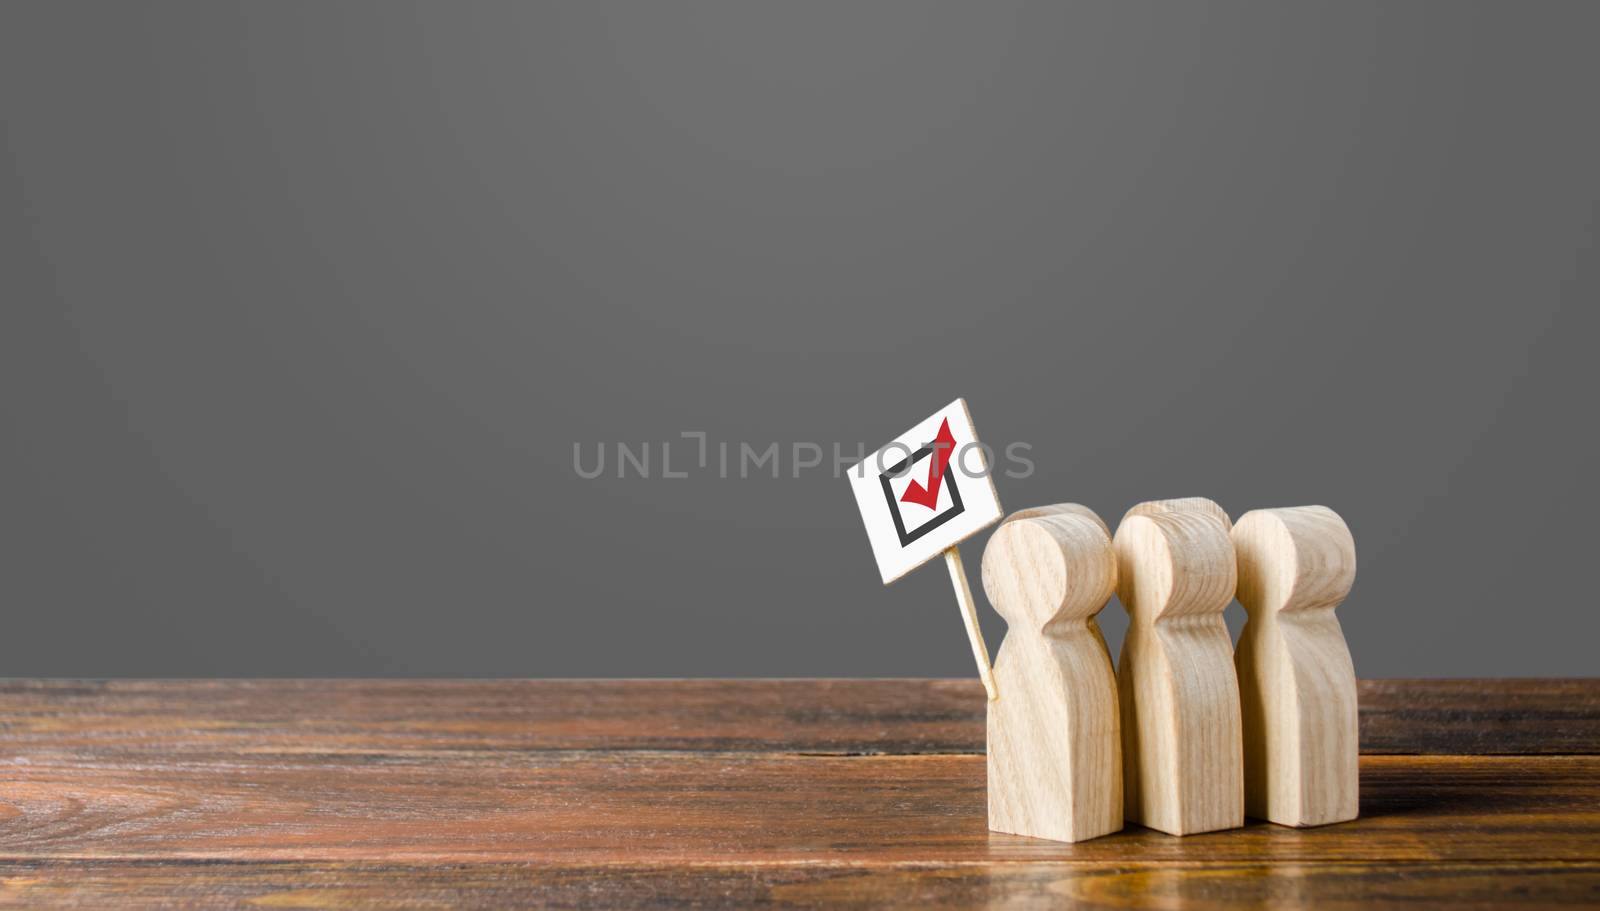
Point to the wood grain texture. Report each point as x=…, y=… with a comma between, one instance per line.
x=599, y=807
x=1297, y=684
x=1202, y=505
x=247, y=886
x=1494, y=717
x=836, y=717
x=1057, y=509
x=1182, y=747
x=645, y=794
x=1055, y=752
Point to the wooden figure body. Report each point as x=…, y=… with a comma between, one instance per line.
x=1296, y=679
x=1055, y=767
x=1182, y=745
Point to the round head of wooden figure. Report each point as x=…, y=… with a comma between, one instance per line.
x=1299, y=558
x=1173, y=564
x=1182, y=504
x=1061, y=509
x=1053, y=565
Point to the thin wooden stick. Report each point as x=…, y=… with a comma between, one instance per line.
x=969, y=614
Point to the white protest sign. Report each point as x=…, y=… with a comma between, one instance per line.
x=921, y=495
x=925, y=492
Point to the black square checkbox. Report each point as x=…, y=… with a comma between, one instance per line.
x=949, y=481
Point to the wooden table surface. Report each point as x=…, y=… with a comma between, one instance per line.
x=786, y=793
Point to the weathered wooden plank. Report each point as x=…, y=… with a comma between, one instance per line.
x=1480, y=716
x=787, y=716
x=150, y=886
x=596, y=807
x=637, y=794
x=824, y=716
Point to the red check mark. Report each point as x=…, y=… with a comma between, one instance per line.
x=928, y=495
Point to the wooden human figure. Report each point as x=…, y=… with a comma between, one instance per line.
x=1296, y=679
x=1183, y=504
x=1182, y=747
x=1055, y=766
x=1076, y=509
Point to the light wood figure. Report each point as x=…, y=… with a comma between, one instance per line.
x=1058, y=509
x=1055, y=766
x=1076, y=509
x=1296, y=680
x=1182, y=504
x=1182, y=746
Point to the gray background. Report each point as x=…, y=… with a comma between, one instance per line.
x=305, y=306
